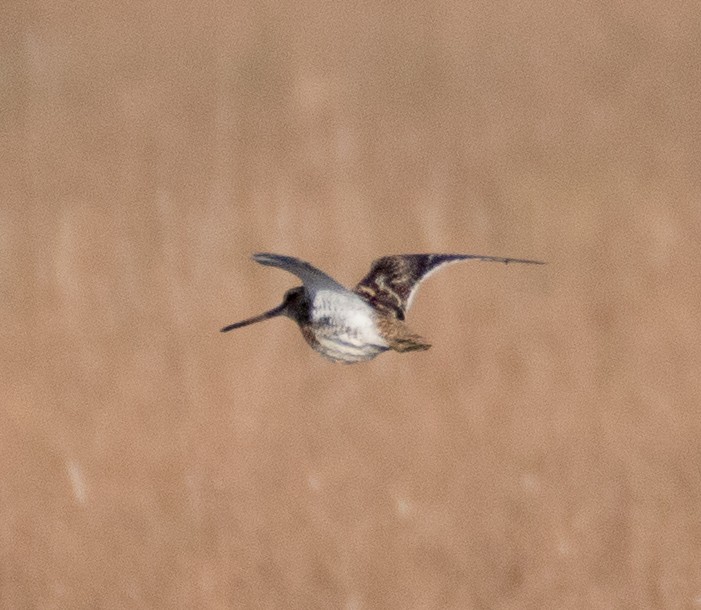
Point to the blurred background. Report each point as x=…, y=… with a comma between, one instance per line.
x=544, y=453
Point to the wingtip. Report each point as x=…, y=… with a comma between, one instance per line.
x=524, y=261
x=264, y=258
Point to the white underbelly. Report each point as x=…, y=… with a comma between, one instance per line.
x=346, y=328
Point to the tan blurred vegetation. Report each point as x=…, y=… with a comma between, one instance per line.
x=544, y=453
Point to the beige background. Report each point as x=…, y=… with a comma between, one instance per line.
x=544, y=453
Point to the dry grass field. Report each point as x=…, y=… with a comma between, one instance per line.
x=545, y=453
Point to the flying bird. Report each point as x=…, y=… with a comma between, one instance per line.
x=356, y=325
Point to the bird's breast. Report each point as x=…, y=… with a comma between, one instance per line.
x=343, y=328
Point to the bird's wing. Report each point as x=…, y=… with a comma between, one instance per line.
x=392, y=281
x=313, y=279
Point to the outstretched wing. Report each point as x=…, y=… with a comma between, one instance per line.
x=313, y=279
x=392, y=282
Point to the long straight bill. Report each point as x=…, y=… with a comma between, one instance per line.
x=279, y=310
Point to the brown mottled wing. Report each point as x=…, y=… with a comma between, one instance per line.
x=393, y=280
x=399, y=337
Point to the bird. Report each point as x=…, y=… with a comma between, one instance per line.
x=356, y=325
